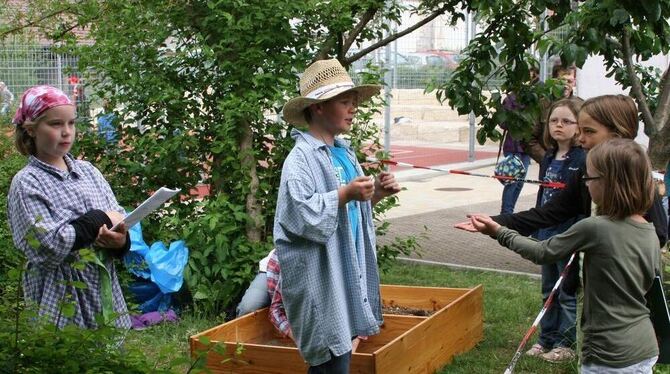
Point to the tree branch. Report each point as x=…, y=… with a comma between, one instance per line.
x=614, y=42
x=636, y=87
x=395, y=36
x=34, y=22
x=365, y=19
x=663, y=108
x=340, y=50
x=325, y=48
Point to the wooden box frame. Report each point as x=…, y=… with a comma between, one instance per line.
x=406, y=344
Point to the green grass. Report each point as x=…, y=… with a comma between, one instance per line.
x=166, y=342
x=510, y=306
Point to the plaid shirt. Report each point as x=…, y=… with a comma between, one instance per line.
x=329, y=293
x=48, y=199
x=277, y=312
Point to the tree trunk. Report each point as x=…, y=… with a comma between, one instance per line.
x=255, y=224
x=659, y=148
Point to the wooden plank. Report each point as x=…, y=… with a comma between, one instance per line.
x=426, y=298
x=263, y=359
x=431, y=344
x=254, y=326
x=249, y=328
x=393, y=327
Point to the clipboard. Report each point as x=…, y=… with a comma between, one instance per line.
x=660, y=318
x=149, y=205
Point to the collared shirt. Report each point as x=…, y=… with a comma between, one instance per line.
x=277, y=312
x=42, y=202
x=328, y=296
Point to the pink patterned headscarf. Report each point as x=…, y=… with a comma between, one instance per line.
x=36, y=100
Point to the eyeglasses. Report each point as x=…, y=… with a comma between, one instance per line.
x=563, y=121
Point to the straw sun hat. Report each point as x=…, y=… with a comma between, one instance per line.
x=323, y=80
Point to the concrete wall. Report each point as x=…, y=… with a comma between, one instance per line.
x=591, y=81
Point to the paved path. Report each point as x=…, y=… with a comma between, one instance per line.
x=445, y=244
x=437, y=201
x=430, y=156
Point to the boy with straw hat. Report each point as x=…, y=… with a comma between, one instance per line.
x=324, y=231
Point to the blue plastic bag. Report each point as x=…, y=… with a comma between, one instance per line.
x=163, y=266
x=166, y=266
x=150, y=296
x=134, y=259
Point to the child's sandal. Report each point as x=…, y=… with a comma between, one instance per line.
x=536, y=350
x=559, y=354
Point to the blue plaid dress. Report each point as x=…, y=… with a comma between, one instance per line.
x=330, y=293
x=43, y=200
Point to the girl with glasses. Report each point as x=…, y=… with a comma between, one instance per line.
x=600, y=119
x=621, y=259
x=564, y=160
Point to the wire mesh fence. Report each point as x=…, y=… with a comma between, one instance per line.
x=428, y=55
x=420, y=129
x=24, y=64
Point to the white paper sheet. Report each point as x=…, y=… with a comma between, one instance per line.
x=148, y=206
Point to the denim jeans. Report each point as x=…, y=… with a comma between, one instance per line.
x=336, y=365
x=256, y=296
x=558, y=324
x=512, y=191
x=642, y=367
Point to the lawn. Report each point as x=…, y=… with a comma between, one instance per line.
x=510, y=305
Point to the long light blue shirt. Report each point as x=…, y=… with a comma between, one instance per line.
x=329, y=295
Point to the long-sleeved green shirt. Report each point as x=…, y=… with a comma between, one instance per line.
x=621, y=259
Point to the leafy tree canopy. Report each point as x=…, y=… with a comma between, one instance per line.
x=624, y=33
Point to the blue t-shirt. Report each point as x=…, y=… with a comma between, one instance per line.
x=346, y=172
x=551, y=176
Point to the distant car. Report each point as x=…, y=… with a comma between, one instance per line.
x=378, y=58
x=427, y=59
x=451, y=58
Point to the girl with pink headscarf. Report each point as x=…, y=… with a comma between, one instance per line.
x=59, y=206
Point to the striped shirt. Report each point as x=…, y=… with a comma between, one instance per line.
x=277, y=312
x=329, y=294
x=42, y=202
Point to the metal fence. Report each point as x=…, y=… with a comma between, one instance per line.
x=415, y=122
x=412, y=119
x=24, y=64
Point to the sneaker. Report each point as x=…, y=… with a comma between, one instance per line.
x=559, y=354
x=536, y=350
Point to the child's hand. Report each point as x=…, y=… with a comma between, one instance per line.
x=354, y=345
x=361, y=189
x=484, y=224
x=112, y=239
x=467, y=225
x=115, y=216
x=385, y=185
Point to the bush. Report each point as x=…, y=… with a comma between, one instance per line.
x=220, y=268
x=11, y=163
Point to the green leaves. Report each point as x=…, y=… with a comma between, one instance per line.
x=576, y=31
x=68, y=309
x=652, y=8
x=619, y=16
